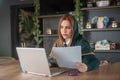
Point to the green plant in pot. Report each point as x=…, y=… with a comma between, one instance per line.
x=29, y=27
x=25, y=28
x=78, y=14
x=37, y=31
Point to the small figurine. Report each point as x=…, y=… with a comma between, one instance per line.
x=102, y=45
x=88, y=25
x=106, y=20
x=114, y=24
x=101, y=22
x=94, y=20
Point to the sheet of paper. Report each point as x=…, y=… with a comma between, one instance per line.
x=67, y=56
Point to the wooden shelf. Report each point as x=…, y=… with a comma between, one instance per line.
x=50, y=16
x=48, y=35
x=99, y=8
x=104, y=29
x=107, y=51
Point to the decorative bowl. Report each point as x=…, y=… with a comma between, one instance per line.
x=102, y=3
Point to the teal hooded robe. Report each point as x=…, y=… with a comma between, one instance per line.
x=90, y=60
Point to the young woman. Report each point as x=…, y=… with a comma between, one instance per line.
x=69, y=36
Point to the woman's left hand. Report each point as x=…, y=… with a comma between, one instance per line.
x=82, y=67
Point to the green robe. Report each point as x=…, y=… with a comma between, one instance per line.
x=90, y=60
x=77, y=40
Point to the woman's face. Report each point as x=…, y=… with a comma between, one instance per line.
x=66, y=30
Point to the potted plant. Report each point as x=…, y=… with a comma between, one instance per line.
x=29, y=27
x=37, y=31
x=78, y=14
x=25, y=28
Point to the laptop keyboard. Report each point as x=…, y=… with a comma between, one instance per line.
x=57, y=70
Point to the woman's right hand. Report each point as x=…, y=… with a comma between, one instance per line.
x=82, y=67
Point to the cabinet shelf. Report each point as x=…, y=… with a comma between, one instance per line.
x=99, y=8
x=104, y=29
x=48, y=35
x=107, y=51
x=51, y=16
x=95, y=34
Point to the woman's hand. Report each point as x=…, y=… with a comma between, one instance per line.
x=82, y=67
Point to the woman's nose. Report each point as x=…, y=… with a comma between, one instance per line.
x=64, y=30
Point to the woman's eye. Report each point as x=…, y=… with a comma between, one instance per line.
x=67, y=27
x=61, y=27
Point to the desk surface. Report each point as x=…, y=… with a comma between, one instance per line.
x=10, y=70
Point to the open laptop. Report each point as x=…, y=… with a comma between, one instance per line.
x=34, y=60
x=67, y=56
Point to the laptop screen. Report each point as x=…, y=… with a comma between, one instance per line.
x=33, y=60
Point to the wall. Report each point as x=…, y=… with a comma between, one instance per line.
x=5, y=26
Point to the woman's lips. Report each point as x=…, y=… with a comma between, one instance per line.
x=64, y=34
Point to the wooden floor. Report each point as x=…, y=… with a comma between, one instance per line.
x=10, y=70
